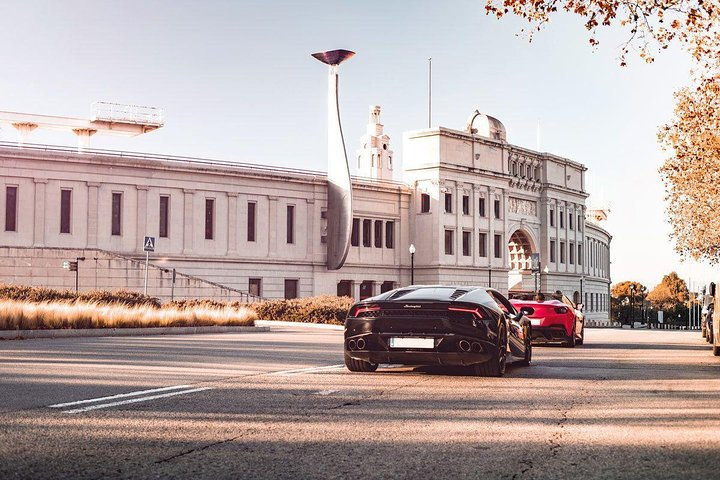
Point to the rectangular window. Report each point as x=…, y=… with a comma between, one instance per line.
x=65, y=210
x=355, y=234
x=386, y=286
x=389, y=234
x=498, y=246
x=481, y=207
x=448, y=203
x=367, y=233
x=497, y=208
x=570, y=221
x=552, y=217
x=378, y=233
x=562, y=252
x=579, y=222
x=290, y=224
x=580, y=256
x=209, y=218
x=424, y=203
x=164, y=216
x=571, y=253
x=291, y=289
x=466, y=244
x=117, y=213
x=561, y=214
x=449, y=242
x=11, y=209
x=466, y=205
x=482, y=242
x=255, y=287
x=251, y=221
x=552, y=251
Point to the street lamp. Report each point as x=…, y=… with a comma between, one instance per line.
x=632, y=305
x=472, y=131
x=77, y=272
x=412, y=264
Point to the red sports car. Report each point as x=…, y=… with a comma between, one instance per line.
x=556, y=319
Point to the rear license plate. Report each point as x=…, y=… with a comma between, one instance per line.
x=411, y=342
x=535, y=321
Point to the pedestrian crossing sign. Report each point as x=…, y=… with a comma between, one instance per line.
x=149, y=244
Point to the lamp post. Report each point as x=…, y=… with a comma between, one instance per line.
x=475, y=114
x=632, y=305
x=582, y=298
x=77, y=272
x=412, y=264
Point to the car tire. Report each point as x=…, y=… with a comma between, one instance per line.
x=570, y=341
x=355, y=365
x=715, y=348
x=581, y=339
x=495, y=367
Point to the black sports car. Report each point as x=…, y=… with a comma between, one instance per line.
x=437, y=325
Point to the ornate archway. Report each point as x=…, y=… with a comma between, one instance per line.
x=520, y=250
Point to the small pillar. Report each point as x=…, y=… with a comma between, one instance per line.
x=24, y=129
x=84, y=135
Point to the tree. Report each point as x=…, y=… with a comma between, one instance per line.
x=669, y=295
x=652, y=24
x=620, y=300
x=692, y=176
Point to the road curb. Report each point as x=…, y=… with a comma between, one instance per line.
x=125, y=332
x=279, y=323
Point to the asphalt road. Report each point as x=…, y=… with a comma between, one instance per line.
x=627, y=404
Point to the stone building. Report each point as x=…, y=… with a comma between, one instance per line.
x=474, y=206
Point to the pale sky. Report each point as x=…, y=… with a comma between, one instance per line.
x=237, y=83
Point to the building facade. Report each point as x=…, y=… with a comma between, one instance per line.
x=474, y=206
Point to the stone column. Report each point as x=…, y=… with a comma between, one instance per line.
x=39, y=226
x=490, y=208
x=141, y=215
x=188, y=222
x=92, y=220
x=273, y=224
x=232, y=223
x=474, y=210
x=312, y=236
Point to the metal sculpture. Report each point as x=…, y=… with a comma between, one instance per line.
x=339, y=203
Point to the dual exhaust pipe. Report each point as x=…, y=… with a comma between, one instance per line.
x=358, y=344
x=466, y=346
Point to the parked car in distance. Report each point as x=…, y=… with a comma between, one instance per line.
x=555, y=319
x=475, y=327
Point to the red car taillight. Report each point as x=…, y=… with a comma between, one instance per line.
x=561, y=310
x=474, y=311
x=365, y=311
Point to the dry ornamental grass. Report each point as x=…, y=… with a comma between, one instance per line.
x=24, y=315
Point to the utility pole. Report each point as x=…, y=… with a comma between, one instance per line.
x=430, y=92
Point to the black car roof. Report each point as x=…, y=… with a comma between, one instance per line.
x=435, y=293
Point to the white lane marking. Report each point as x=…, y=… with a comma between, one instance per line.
x=326, y=392
x=300, y=371
x=121, y=395
x=135, y=400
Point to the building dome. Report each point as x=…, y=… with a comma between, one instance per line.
x=487, y=126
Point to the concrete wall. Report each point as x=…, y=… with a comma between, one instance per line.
x=43, y=267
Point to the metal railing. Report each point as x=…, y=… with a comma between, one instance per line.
x=136, y=114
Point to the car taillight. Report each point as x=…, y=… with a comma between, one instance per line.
x=474, y=311
x=365, y=311
x=561, y=310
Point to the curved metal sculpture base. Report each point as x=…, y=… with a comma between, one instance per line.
x=339, y=202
